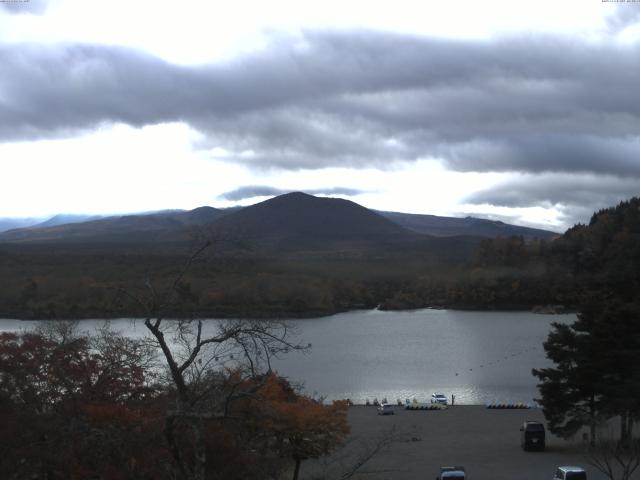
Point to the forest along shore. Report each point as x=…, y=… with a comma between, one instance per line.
x=485, y=441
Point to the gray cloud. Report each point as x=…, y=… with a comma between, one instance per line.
x=251, y=191
x=575, y=196
x=31, y=7
x=520, y=104
x=623, y=16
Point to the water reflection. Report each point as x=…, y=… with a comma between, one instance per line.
x=480, y=357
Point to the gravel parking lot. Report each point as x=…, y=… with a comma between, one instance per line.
x=486, y=442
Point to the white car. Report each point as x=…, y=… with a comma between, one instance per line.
x=439, y=398
x=385, y=409
x=570, y=473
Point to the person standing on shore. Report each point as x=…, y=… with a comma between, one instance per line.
x=453, y=399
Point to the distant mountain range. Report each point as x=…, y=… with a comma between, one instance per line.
x=65, y=219
x=166, y=226
x=11, y=223
x=471, y=226
x=60, y=219
x=294, y=221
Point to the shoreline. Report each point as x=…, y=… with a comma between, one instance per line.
x=537, y=309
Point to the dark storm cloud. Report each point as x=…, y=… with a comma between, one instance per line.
x=251, y=191
x=552, y=190
x=575, y=196
x=31, y=7
x=525, y=104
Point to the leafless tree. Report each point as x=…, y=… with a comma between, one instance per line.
x=60, y=331
x=355, y=455
x=615, y=459
x=199, y=356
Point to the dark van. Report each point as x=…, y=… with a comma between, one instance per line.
x=532, y=436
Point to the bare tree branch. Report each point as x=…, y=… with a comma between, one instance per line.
x=613, y=458
x=196, y=358
x=357, y=453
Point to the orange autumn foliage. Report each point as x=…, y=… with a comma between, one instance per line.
x=301, y=427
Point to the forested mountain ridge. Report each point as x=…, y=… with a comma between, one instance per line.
x=400, y=269
x=167, y=226
x=300, y=213
x=301, y=222
x=606, y=252
x=603, y=256
x=472, y=226
x=295, y=216
x=594, y=377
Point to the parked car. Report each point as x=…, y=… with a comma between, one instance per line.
x=438, y=398
x=570, y=473
x=532, y=436
x=451, y=473
x=385, y=409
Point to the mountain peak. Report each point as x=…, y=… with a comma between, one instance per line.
x=295, y=195
x=307, y=218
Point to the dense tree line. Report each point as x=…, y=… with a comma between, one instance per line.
x=85, y=285
x=77, y=284
x=596, y=374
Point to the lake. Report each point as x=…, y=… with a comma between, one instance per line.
x=481, y=357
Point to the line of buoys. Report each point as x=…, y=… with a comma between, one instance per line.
x=498, y=361
x=502, y=406
x=425, y=406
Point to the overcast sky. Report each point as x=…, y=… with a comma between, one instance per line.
x=523, y=111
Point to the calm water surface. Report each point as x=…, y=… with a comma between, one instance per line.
x=480, y=357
